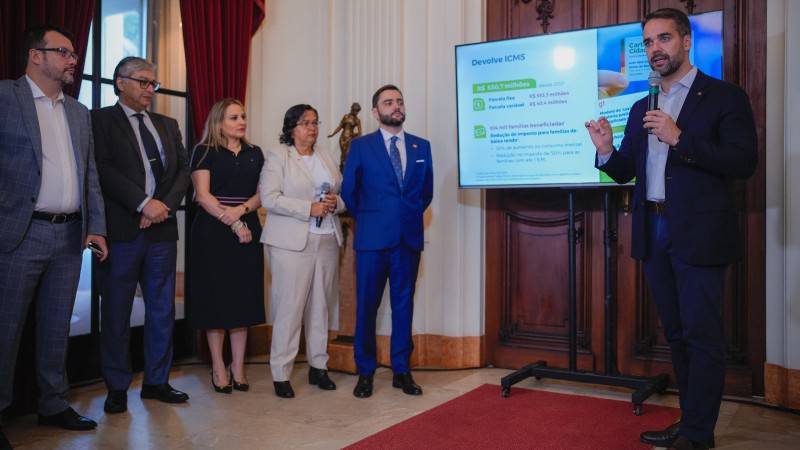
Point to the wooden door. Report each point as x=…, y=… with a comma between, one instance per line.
x=526, y=229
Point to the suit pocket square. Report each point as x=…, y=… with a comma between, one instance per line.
x=420, y=160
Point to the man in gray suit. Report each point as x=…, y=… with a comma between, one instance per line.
x=51, y=208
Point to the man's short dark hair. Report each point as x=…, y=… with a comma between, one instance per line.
x=33, y=37
x=388, y=87
x=679, y=17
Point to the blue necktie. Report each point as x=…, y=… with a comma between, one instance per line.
x=151, y=148
x=394, y=155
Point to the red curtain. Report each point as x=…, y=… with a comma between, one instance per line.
x=217, y=51
x=16, y=15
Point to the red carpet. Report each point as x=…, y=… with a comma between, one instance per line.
x=527, y=419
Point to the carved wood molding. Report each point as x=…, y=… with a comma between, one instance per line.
x=689, y=6
x=545, y=10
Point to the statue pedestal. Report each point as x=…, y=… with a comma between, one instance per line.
x=340, y=349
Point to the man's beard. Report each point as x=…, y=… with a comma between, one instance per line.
x=391, y=121
x=63, y=78
x=672, y=66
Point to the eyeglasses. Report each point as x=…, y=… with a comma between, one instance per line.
x=145, y=83
x=309, y=123
x=65, y=53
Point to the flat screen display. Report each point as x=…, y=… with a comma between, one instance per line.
x=522, y=103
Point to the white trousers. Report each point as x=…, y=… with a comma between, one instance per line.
x=302, y=284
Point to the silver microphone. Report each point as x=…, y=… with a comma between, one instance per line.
x=325, y=189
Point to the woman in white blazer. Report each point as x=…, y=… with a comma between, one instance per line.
x=299, y=187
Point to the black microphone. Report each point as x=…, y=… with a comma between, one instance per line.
x=326, y=188
x=654, y=81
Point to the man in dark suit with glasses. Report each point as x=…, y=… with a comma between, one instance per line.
x=144, y=175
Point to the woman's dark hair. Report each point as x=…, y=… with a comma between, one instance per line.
x=290, y=120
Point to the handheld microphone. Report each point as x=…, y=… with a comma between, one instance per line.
x=654, y=81
x=325, y=189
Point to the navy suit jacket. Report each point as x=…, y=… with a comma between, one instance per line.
x=122, y=173
x=21, y=163
x=384, y=215
x=717, y=145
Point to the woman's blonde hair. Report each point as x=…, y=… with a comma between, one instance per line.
x=212, y=134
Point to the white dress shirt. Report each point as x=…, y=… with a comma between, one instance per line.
x=59, y=192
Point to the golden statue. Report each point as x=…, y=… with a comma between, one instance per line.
x=350, y=126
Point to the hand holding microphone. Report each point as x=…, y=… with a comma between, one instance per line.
x=324, y=190
x=656, y=121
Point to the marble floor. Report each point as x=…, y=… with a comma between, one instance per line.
x=319, y=419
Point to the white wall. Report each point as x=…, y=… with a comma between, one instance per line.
x=783, y=163
x=332, y=53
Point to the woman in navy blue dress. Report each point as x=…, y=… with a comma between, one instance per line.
x=227, y=276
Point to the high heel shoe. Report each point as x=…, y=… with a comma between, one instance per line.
x=227, y=389
x=243, y=386
x=320, y=378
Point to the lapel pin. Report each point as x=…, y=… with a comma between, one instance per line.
x=414, y=145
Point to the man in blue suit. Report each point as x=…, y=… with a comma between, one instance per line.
x=50, y=209
x=388, y=184
x=685, y=224
x=144, y=174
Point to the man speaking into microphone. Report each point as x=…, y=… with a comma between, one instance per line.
x=685, y=223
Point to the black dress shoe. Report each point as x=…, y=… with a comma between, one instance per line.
x=283, y=389
x=405, y=381
x=163, y=392
x=68, y=419
x=116, y=401
x=320, y=378
x=681, y=443
x=363, y=388
x=665, y=437
x=4, y=444
x=227, y=389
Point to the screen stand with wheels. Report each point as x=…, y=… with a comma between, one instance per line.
x=644, y=387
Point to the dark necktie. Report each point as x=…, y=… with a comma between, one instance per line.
x=151, y=148
x=394, y=155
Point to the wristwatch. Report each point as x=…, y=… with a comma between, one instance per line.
x=246, y=208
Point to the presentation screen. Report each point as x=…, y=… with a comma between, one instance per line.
x=522, y=103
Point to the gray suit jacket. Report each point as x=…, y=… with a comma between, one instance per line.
x=21, y=163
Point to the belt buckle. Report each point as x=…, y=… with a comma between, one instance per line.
x=58, y=218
